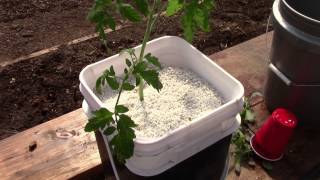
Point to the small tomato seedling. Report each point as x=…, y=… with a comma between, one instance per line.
x=143, y=67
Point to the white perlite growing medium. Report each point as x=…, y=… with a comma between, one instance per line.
x=183, y=98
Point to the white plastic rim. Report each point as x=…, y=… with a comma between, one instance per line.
x=174, y=51
x=260, y=155
x=154, y=165
x=144, y=166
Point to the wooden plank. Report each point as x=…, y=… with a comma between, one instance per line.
x=63, y=150
x=247, y=62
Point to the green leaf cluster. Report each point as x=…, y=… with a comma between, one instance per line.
x=100, y=119
x=247, y=114
x=117, y=124
x=241, y=138
x=102, y=14
x=147, y=70
x=195, y=15
x=108, y=76
x=242, y=147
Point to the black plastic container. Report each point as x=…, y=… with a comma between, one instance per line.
x=294, y=73
x=303, y=100
x=295, y=49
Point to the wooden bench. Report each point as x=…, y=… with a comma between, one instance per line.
x=60, y=149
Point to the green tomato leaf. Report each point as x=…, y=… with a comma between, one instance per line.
x=138, y=79
x=113, y=83
x=127, y=11
x=208, y=4
x=100, y=4
x=139, y=67
x=109, y=130
x=100, y=118
x=103, y=113
x=98, y=84
x=123, y=146
x=112, y=73
x=173, y=7
x=153, y=60
x=102, y=34
x=142, y=6
x=125, y=121
x=249, y=116
x=111, y=22
x=103, y=81
x=121, y=109
x=96, y=16
x=188, y=23
x=106, y=72
x=201, y=17
x=122, y=143
x=96, y=13
x=152, y=78
x=128, y=87
x=128, y=62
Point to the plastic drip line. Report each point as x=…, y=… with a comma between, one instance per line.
x=114, y=168
x=267, y=30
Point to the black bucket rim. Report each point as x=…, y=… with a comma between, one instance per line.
x=299, y=14
x=296, y=22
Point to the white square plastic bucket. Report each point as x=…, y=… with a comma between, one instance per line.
x=155, y=155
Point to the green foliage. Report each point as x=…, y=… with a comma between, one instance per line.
x=152, y=78
x=195, y=15
x=241, y=138
x=123, y=141
x=128, y=87
x=117, y=123
x=142, y=6
x=109, y=130
x=138, y=79
x=247, y=114
x=153, y=60
x=242, y=147
x=121, y=109
x=174, y=6
x=140, y=66
x=128, y=12
x=100, y=119
x=109, y=77
x=102, y=18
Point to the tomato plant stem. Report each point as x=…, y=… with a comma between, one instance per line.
x=150, y=22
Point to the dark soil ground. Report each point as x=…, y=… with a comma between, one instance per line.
x=27, y=26
x=37, y=90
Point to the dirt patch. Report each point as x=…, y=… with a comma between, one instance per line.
x=46, y=87
x=27, y=26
